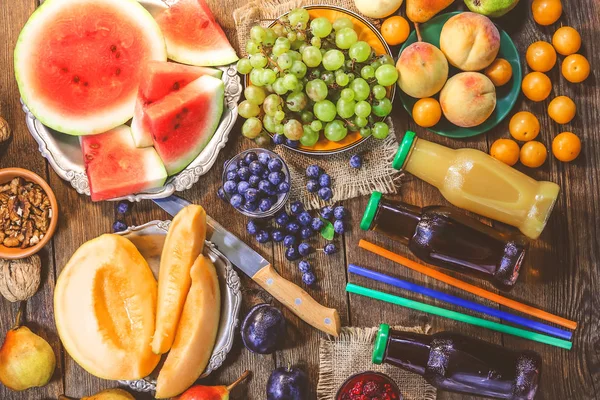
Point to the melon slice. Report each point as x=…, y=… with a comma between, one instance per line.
x=196, y=332
x=183, y=122
x=78, y=62
x=104, y=306
x=158, y=80
x=193, y=36
x=116, y=168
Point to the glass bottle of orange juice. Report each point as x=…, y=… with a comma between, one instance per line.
x=475, y=181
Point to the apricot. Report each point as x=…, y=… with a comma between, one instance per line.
x=546, y=12
x=427, y=112
x=533, y=154
x=505, y=150
x=566, y=146
x=468, y=99
x=541, y=56
x=562, y=109
x=499, y=72
x=524, y=126
x=536, y=86
x=575, y=68
x=566, y=40
x=422, y=70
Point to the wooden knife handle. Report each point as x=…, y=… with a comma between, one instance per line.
x=297, y=300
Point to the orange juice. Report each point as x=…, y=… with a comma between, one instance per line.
x=475, y=181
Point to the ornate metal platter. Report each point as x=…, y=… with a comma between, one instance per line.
x=149, y=239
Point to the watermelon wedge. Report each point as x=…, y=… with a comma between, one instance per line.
x=193, y=36
x=158, y=80
x=78, y=62
x=183, y=122
x=116, y=168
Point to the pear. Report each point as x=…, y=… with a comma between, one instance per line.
x=491, y=8
x=26, y=360
x=200, y=392
x=108, y=394
x=420, y=11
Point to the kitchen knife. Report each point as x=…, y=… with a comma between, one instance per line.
x=262, y=272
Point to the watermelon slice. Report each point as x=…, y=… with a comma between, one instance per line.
x=78, y=62
x=193, y=35
x=183, y=122
x=158, y=80
x=116, y=168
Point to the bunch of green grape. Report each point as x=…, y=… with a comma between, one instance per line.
x=313, y=76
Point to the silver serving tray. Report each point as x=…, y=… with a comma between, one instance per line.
x=63, y=151
x=149, y=239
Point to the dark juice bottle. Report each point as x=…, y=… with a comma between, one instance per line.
x=447, y=238
x=456, y=363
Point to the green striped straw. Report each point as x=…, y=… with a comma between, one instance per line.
x=468, y=319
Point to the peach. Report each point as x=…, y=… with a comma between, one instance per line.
x=470, y=41
x=468, y=99
x=422, y=70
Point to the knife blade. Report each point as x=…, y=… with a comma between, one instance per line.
x=262, y=272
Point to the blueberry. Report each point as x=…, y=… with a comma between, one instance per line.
x=282, y=218
x=232, y=176
x=324, y=180
x=313, y=171
x=123, y=207
x=241, y=163
x=230, y=187
x=296, y=208
x=339, y=212
x=316, y=224
x=289, y=241
x=292, y=143
x=119, y=226
x=279, y=138
x=356, y=161
x=221, y=194
x=244, y=173
x=256, y=168
x=264, y=158
x=263, y=237
x=251, y=195
x=266, y=187
x=265, y=174
x=329, y=249
x=242, y=187
x=237, y=200
x=265, y=204
x=252, y=156
x=309, y=278
x=291, y=253
x=275, y=165
x=253, y=181
x=304, y=218
x=251, y=206
x=283, y=187
x=306, y=232
x=312, y=186
x=304, y=249
x=276, y=177
x=292, y=228
x=325, y=193
x=304, y=266
x=327, y=212
x=277, y=235
x=339, y=226
x=231, y=167
x=252, y=227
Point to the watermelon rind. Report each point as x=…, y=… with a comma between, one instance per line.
x=210, y=58
x=98, y=122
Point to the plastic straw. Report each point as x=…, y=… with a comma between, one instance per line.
x=448, y=298
x=496, y=298
x=468, y=319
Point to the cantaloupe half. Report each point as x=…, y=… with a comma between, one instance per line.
x=104, y=306
x=184, y=243
x=196, y=333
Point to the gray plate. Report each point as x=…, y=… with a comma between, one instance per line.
x=149, y=239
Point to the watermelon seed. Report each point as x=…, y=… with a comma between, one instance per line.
x=118, y=71
x=76, y=79
x=176, y=126
x=176, y=86
x=64, y=69
x=89, y=157
x=204, y=24
x=118, y=54
x=185, y=110
x=113, y=48
x=86, y=84
x=94, y=145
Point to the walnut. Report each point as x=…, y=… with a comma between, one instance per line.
x=20, y=279
x=4, y=130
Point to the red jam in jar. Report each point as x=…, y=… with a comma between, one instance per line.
x=369, y=386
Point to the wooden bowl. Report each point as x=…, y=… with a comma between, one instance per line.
x=13, y=253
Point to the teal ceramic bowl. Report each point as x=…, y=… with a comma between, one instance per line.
x=506, y=95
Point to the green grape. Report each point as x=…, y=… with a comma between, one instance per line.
x=347, y=94
x=243, y=66
x=312, y=56
x=316, y=125
x=290, y=82
x=302, y=47
x=320, y=27
x=285, y=61
x=269, y=88
x=299, y=69
x=360, y=51
x=279, y=50
x=268, y=76
x=386, y=59
x=376, y=64
x=367, y=72
x=362, y=109
x=297, y=101
x=307, y=117
x=256, y=77
x=333, y=60
x=258, y=60
x=258, y=34
x=270, y=123
x=316, y=90
x=382, y=107
x=379, y=92
x=296, y=56
x=323, y=50
x=345, y=108
x=296, y=44
x=279, y=30
x=283, y=41
x=342, y=23
x=271, y=104
x=270, y=37
x=316, y=41
x=386, y=75
x=335, y=131
x=247, y=109
x=292, y=36
x=254, y=94
x=365, y=132
x=298, y=17
x=279, y=129
x=345, y=38
x=301, y=36
x=300, y=87
x=263, y=140
x=304, y=16
x=310, y=136
x=328, y=78
x=349, y=65
x=293, y=129
x=380, y=130
x=278, y=86
x=361, y=122
x=361, y=89
x=279, y=115
x=252, y=47
x=342, y=79
x=252, y=128
x=315, y=74
x=353, y=128
x=351, y=77
x=324, y=110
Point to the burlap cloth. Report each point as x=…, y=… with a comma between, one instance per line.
x=350, y=353
x=377, y=172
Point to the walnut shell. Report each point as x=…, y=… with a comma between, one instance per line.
x=20, y=279
x=4, y=130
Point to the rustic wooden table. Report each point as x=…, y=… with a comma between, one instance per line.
x=561, y=273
